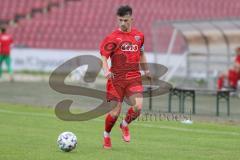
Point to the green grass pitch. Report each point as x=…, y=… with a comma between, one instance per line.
x=28, y=133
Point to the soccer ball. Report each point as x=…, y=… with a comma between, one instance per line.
x=67, y=141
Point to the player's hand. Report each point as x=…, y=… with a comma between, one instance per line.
x=148, y=74
x=109, y=75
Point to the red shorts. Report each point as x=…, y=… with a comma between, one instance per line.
x=117, y=89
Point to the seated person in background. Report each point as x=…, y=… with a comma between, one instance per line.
x=237, y=58
x=230, y=79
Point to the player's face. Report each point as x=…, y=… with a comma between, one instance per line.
x=125, y=23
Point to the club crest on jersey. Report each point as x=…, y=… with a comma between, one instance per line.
x=137, y=38
x=129, y=47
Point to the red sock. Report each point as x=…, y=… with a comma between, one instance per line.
x=132, y=115
x=109, y=122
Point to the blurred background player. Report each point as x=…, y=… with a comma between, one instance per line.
x=6, y=41
x=125, y=48
x=230, y=79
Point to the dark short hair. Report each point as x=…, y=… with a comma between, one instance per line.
x=3, y=29
x=124, y=10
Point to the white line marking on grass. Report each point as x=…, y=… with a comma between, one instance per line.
x=184, y=129
x=205, y=131
x=191, y=130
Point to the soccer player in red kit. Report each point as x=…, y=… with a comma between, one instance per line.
x=6, y=41
x=125, y=48
x=229, y=80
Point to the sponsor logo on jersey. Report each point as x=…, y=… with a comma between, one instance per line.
x=129, y=47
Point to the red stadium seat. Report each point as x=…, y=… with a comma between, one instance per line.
x=83, y=24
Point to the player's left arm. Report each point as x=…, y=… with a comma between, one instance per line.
x=144, y=65
x=143, y=59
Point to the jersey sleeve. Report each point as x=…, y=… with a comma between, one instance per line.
x=107, y=47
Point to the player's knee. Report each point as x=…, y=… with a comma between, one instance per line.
x=137, y=107
x=115, y=112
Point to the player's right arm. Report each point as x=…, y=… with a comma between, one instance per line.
x=106, y=49
x=106, y=69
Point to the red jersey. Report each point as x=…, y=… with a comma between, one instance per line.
x=124, y=49
x=5, y=44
